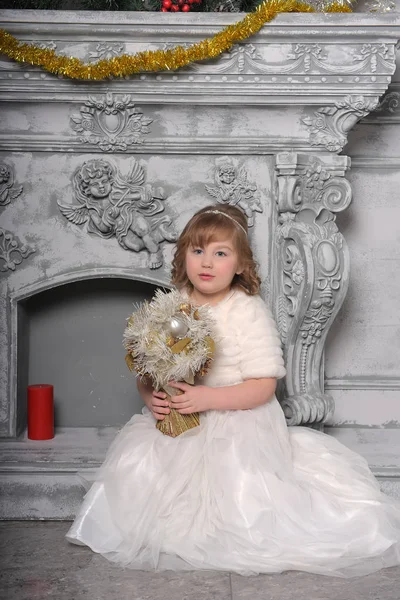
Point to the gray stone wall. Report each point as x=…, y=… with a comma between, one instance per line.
x=363, y=348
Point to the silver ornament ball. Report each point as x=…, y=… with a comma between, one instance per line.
x=177, y=328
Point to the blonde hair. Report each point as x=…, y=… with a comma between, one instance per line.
x=206, y=226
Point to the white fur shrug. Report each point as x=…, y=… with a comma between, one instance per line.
x=247, y=342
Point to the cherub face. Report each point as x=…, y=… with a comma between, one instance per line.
x=227, y=174
x=101, y=187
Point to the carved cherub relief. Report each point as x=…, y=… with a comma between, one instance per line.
x=124, y=207
x=234, y=188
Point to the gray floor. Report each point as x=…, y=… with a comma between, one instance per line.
x=37, y=563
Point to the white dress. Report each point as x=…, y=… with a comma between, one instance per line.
x=242, y=492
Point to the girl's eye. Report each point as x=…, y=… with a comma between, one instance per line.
x=221, y=253
x=197, y=250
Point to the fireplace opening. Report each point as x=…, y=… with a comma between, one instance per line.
x=71, y=337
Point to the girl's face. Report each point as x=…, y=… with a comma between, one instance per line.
x=211, y=270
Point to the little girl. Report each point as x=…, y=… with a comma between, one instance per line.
x=242, y=492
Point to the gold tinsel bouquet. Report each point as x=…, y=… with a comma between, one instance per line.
x=169, y=339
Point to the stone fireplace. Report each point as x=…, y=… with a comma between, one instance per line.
x=98, y=179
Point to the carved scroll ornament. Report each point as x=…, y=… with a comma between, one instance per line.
x=12, y=252
x=127, y=208
x=390, y=103
x=312, y=278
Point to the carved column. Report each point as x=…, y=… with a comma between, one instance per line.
x=312, y=272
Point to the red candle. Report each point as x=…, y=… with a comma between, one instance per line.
x=40, y=412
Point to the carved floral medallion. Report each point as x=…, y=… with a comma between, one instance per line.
x=111, y=122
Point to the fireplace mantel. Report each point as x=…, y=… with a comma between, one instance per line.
x=297, y=59
x=298, y=71
x=273, y=115
x=290, y=94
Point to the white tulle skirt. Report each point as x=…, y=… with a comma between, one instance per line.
x=241, y=493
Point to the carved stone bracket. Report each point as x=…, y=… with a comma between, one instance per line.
x=330, y=125
x=312, y=274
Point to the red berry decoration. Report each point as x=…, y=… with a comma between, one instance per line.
x=174, y=8
x=167, y=4
x=163, y=9
x=185, y=8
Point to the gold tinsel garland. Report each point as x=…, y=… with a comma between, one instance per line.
x=155, y=60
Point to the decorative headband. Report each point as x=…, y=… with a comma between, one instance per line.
x=219, y=212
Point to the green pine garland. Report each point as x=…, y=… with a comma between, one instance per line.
x=32, y=4
x=127, y=5
x=121, y=5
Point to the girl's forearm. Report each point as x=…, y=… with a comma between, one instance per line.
x=249, y=394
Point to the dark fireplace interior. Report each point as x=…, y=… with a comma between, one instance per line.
x=71, y=337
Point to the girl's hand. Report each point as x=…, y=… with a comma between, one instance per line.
x=195, y=398
x=158, y=405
